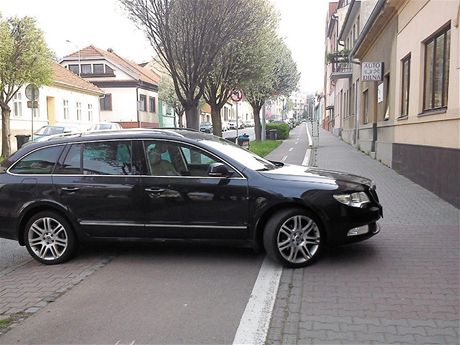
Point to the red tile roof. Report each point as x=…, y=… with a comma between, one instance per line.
x=64, y=77
x=143, y=74
x=333, y=7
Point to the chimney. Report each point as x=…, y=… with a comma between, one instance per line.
x=110, y=50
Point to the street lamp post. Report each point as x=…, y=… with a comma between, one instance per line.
x=79, y=56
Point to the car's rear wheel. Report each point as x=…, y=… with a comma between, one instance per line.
x=293, y=237
x=49, y=238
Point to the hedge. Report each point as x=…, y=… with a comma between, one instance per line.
x=282, y=129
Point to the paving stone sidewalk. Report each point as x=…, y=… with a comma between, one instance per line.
x=28, y=287
x=402, y=286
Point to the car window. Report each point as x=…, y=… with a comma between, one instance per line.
x=107, y=158
x=164, y=159
x=198, y=161
x=99, y=158
x=49, y=130
x=72, y=162
x=38, y=162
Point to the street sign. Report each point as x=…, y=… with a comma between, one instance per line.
x=372, y=71
x=32, y=92
x=237, y=95
x=32, y=104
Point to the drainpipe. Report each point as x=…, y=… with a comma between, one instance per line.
x=139, y=123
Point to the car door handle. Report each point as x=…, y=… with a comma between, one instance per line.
x=70, y=189
x=154, y=190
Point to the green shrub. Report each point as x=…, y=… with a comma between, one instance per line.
x=282, y=129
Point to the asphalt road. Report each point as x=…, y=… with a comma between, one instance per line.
x=168, y=293
x=12, y=254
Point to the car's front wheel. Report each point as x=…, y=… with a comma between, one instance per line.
x=49, y=238
x=293, y=238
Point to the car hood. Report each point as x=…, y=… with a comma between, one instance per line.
x=309, y=174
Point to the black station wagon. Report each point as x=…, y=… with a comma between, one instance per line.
x=176, y=184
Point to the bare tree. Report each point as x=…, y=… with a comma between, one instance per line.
x=238, y=61
x=187, y=35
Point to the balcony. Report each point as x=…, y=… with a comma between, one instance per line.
x=341, y=66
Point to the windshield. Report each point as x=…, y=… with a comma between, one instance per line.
x=47, y=130
x=242, y=156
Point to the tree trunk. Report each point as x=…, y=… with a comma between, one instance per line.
x=192, y=115
x=216, y=120
x=257, y=125
x=6, y=145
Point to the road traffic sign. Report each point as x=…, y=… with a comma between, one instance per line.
x=237, y=95
x=32, y=92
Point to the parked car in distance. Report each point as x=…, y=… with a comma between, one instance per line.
x=206, y=127
x=249, y=123
x=104, y=126
x=225, y=126
x=231, y=125
x=52, y=130
x=162, y=184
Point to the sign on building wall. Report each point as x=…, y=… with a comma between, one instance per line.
x=372, y=71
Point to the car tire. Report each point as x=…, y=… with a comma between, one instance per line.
x=293, y=237
x=49, y=238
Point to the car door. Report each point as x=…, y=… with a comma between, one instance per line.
x=182, y=201
x=99, y=183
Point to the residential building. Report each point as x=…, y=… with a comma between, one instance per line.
x=405, y=113
x=167, y=116
x=130, y=91
x=426, y=145
x=69, y=101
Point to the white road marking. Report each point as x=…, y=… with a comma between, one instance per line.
x=283, y=159
x=256, y=318
x=291, y=149
x=310, y=141
x=306, y=159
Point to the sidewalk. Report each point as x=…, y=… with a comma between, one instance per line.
x=402, y=286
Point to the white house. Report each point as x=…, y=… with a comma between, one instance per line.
x=130, y=91
x=68, y=101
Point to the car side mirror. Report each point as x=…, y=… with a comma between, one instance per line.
x=218, y=170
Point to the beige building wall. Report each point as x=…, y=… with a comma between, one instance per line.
x=417, y=21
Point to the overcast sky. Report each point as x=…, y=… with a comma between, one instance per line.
x=103, y=24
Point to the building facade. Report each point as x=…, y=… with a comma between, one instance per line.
x=405, y=113
x=69, y=101
x=130, y=91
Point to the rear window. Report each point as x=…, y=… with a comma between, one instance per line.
x=39, y=162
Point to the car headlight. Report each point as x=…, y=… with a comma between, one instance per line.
x=358, y=199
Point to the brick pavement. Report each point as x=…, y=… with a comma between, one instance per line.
x=402, y=286
x=28, y=287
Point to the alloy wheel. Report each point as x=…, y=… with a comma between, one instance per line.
x=48, y=238
x=298, y=239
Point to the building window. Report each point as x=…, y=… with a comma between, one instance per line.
x=142, y=103
x=366, y=106
x=98, y=68
x=405, y=86
x=66, y=109
x=106, y=102
x=437, y=58
x=78, y=111
x=386, y=91
x=90, y=112
x=86, y=69
x=152, y=104
x=108, y=70
x=17, y=104
x=73, y=68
